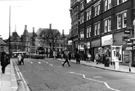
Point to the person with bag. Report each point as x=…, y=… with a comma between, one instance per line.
x=4, y=62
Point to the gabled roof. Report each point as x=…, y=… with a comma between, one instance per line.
x=15, y=34
x=2, y=42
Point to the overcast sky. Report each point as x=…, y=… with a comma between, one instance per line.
x=34, y=13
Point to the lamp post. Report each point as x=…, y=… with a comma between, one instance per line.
x=9, y=26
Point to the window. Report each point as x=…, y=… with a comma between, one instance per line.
x=82, y=18
x=120, y=1
x=88, y=14
x=82, y=5
x=107, y=25
x=97, y=8
x=82, y=34
x=122, y=20
x=88, y=32
x=97, y=28
x=107, y=4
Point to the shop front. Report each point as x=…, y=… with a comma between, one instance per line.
x=119, y=40
x=107, y=41
x=95, y=45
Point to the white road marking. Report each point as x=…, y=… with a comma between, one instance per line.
x=39, y=62
x=30, y=62
x=95, y=81
x=51, y=64
x=23, y=80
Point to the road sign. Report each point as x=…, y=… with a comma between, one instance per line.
x=132, y=38
x=129, y=48
x=127, y=31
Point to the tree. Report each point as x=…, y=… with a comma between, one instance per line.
x=51, y=37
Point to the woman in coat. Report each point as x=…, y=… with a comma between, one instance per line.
x=4, y=62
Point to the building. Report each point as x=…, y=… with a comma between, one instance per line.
x=48, y=40
x=22, y=43
x=101, y=23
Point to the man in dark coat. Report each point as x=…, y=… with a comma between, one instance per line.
x=77, y=56
x=4, y=62
x=66, y=57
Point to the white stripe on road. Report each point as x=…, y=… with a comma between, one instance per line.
x=30, y=62
x=39, y=62
x=95, y=81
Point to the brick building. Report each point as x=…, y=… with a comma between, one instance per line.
x=101, y=23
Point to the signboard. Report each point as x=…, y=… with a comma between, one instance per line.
x=116, y=53
x=107, y=40
x=129, y=48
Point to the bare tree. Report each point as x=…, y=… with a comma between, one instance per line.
x=51, y=37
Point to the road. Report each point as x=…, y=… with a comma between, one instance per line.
x=49, y=75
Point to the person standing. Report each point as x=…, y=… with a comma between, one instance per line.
x=66, y=58
x=3, y=61
x=19, y=59
x=77, y=56
x=22, y=59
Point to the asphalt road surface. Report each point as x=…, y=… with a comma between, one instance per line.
x=49, y=75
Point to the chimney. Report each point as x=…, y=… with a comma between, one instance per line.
x=25, y=27
x=50, y=26
x=33, y=29
x=63, y=32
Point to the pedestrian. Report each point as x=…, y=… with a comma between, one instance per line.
x=97, y=58
x=69, y=56
x=77, y=56
x=22, y=59
x=4, y=60
x=66, y=58
x=85, y=57
x=89, y=57
x=19, y=59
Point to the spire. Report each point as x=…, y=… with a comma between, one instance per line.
x=25, y=27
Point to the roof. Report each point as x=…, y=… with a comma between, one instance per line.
x=2, y=42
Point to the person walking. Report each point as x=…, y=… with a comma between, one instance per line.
x=66, y=57
x=4, y=60
x=69, y=56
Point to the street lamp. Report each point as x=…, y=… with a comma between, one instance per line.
x=9, y=26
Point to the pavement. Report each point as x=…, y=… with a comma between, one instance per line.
x=8, y=81
x=121, y=68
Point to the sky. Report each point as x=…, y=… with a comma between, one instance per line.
x=34, y=13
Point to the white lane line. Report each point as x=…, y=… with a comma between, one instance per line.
x=51, y=64
x=39, y=62
x=23, y=80
x=30, y=62
x=95, y=81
